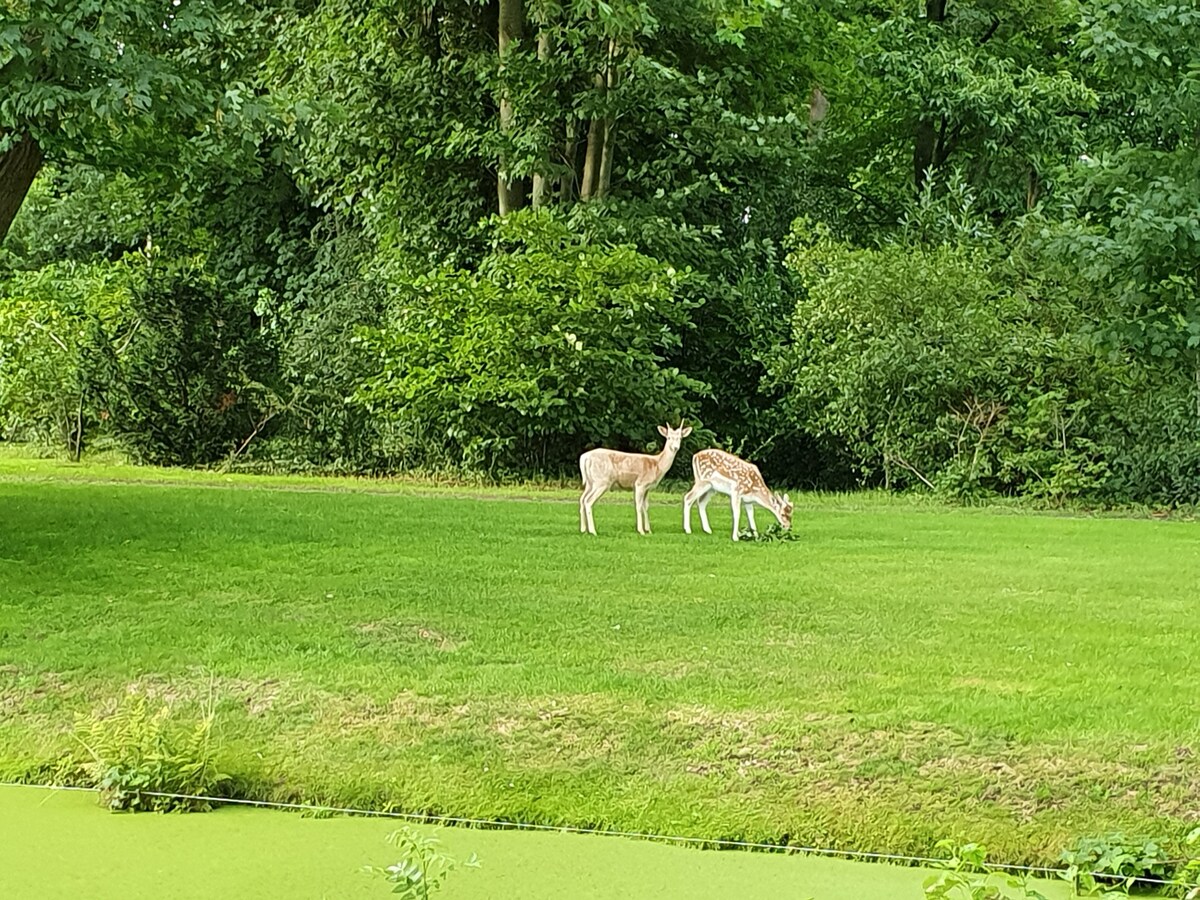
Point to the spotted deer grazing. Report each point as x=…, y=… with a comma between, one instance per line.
x=639, y=472
x=718, y=472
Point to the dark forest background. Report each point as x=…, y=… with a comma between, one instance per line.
x=951, y=245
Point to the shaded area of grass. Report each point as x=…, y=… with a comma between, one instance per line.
x=899, y=675
x=58, y=845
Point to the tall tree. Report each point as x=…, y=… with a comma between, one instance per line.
x=927, y=148
x=104, y=82
x=1131, y=226
x=510, y=33
x=992, y=89
x=21, y=160
x=543, y=183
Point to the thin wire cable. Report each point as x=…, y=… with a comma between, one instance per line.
x=504, y=824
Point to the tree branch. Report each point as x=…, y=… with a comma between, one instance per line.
x=987, y=35
x=911, y=468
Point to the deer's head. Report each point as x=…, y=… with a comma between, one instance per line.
x=782, y=507
x=674, y=436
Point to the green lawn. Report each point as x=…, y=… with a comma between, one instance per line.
x=902, y=674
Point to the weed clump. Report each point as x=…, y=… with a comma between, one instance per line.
x=422, y=868
x=773, y=534
x=144, y=760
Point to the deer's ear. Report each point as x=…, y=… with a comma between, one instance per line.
x=787, y=500
x=662, y=429
x=686, y=431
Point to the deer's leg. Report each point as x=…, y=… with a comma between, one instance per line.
x=689, y=499
x=736, y=502
x=583, y=525
x=750, y=516
x=594, y=493
x=703, y=504
x=639, y=503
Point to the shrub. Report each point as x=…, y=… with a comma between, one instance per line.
x=1153, y=440
x=135, y=755
x=554, y=343
x=944, y=366
x=146, y=349
x=1186, y=881
x=57, y=327
x=422, y=869
x=1096, y=865
x=966, y=875
x=183, y=392
x=322, y=368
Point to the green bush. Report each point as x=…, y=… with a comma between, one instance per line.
x=58, y=326
x=946, y=366
x=1153, y=439
x=1115, y=863
x=135, y=755
x=148, y=350
x=552, y=344
x=976, y=372
x=966, y=875
x=422, y=869
x=189, y=387
x=321, y=367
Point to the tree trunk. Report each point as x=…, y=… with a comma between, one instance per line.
x=566, y=191
x=925, y=139
x=431, y=29
x=542, y=183
x=595, y=149
x=18, y=167
x=610, y=128
x=540, y=190
x=818, y=108
x=606, y=158
x=597, y=165
x=77, y=450
x=1031, y=189
x=510, y=31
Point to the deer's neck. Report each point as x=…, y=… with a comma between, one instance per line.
x=663, y=461
x=765, y=499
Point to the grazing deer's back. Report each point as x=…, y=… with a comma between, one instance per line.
x=708, y=464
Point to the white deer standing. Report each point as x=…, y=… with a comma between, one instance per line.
x=641, y=472
x=718, y=472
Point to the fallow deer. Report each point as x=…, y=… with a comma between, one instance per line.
x=639, y=472
x=718, y=472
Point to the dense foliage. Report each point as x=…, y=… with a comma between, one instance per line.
x=948, y=245
x=550, y=344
